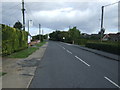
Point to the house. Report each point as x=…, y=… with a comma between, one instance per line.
x=95, y=36
x=106, y=37
x=91, y=36
x=85, y=35
x=112, y=37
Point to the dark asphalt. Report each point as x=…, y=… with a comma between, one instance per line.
x=67, y=66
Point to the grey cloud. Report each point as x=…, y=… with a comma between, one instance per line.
x=88, y=23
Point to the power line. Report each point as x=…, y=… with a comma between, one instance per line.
x=10, y=8
x=11, y=17
x=28, y=9
x=29, y=16
x=111, y=4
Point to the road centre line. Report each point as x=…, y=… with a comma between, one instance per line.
x=69, y=51
x=112, y=82
x=63, y=47
x=82, y=61
x=66, y=43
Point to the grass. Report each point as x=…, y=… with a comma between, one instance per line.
x=40, y=44
x=2, y=73
x=24, y=53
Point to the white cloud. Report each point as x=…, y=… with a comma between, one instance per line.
x=64, y=15
x=60, y=0
x=61, y=15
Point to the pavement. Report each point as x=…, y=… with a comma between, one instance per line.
x=20, y=72
x=68, y=66
x=98, y=52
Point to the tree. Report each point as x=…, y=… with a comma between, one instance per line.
x=37, y=37
x=57, y=36
x=18, y=25
x=101, y=33
x=74, y=34
x=45, y=36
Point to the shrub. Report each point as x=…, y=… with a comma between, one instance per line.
x=13, y=40
x=81, y=41
x=108, y=47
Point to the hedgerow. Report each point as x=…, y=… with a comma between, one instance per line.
x=108, y=47
x=13, y=40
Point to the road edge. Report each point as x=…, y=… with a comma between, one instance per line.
x=99, y=54
x=29, y=83
x=88, y=49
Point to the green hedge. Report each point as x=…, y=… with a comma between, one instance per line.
x=81, y=41
x=108, y=47
x=13, y=40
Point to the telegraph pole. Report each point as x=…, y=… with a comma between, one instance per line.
x=102, y=22
x=23, y=9
x=102, y=17
x=103, y=12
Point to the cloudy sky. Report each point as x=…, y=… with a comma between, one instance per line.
x=60, y=15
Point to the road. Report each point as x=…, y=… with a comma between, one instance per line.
x=67, y=66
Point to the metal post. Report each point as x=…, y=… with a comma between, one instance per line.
x=28, y=26
x=39, y=30
x=42, y=32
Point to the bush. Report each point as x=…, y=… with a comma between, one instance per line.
x=13, y=40
x=81, y=41
x=38, y=37
x=108, y=47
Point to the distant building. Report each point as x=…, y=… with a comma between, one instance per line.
x=85, y=35
x=95, y=36
x=112, y=37
x=29, y=38
x=92, y=36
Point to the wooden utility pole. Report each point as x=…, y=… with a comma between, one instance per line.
x=102, y=22
x=23, y=9
x=102, y=17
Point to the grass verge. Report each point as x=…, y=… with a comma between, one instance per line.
x=2, y=73
x=24, y=53
x=40, y=44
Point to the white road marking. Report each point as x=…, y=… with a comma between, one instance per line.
x=63, y=47
x=69, y=51
x=82, y=61
x=66, y=43
x=38, y=59
x=112, y=82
